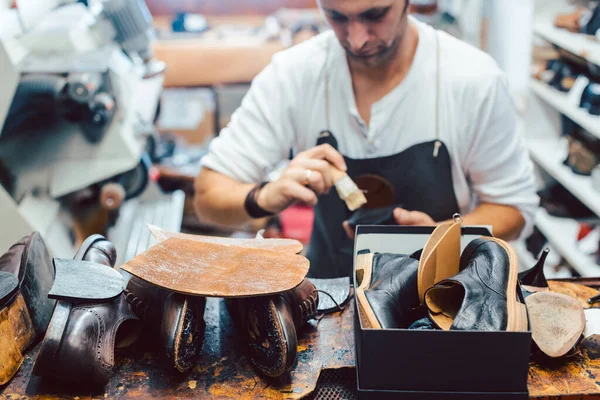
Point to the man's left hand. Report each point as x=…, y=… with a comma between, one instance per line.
x=412, y=218
x=402, y=217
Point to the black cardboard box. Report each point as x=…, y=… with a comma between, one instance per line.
x=418, y=364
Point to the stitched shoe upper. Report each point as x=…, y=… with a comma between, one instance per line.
x=393, y=290
x=475, y=298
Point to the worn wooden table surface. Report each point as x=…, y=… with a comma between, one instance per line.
x=224, y=373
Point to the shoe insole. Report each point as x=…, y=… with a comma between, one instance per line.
x=444, y=302
x=85, y=280
x=216, y=270
x=282, y=245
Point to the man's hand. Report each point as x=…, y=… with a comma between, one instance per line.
x=412, y=218
x=402, y=217
x=307, y=176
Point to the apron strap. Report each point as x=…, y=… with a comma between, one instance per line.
x=436, y=146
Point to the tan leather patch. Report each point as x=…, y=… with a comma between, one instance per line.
x=282, y=245
x=210, y=269
x=16, y=335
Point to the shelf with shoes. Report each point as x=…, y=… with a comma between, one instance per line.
x=549, y=155
x=561, y=234
x=561, y=103
x=585, y=46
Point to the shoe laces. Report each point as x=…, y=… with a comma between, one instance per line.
x=308, y=307
x=138, y=304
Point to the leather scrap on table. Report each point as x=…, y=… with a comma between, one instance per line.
x=283, y=245
x=337, y=288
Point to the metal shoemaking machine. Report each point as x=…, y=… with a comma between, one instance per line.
x=79, y=92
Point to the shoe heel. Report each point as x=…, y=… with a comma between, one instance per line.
x=44, y=363
x=184, y=344
x=364, y=267
x=272, y=340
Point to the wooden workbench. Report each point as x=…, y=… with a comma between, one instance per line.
x=326, y=350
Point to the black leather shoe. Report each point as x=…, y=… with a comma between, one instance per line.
x=388, y=292
x=485, y=295
x=177, y=319
x=82, y=335
x=270, y=325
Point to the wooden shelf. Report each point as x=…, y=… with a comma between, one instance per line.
x=559, y=101
x=562, y=235
x=545, y=153
x=579, y=44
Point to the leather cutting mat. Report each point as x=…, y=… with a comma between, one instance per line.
x=283, y=245
x=217, y=270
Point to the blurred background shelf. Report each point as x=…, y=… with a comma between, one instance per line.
x=561, y=234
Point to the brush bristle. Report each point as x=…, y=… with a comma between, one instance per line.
x=350, y=193
x=356, y=200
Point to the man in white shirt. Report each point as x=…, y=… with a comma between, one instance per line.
x=425, y=113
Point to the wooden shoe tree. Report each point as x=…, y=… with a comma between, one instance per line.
x=216, y=270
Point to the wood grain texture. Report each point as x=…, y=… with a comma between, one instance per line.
x=217, y=270
x=223, y=371
x=282, y=245
x=580, y=292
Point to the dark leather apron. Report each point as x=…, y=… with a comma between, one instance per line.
x=421, y=178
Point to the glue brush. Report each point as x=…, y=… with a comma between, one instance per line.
x=347, y=189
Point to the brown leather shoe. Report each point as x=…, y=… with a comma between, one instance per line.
x=29, y=261
x=270, y=325
x=26, y=276
x=81, y=338
x=16, y=329
x=176, y=318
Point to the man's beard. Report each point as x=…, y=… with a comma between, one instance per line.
x=383, y=55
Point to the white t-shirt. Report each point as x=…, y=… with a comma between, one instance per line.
x=285, y=108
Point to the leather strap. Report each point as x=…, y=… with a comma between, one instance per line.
x=251, y=205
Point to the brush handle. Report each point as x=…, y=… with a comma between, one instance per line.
x=336, y=173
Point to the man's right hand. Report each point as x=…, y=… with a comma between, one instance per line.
x=307, y=176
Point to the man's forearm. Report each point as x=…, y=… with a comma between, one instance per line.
x=506, y=221
x=220, y=199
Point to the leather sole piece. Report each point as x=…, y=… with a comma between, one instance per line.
x=189, y=335
x=364, y=271
x=440, y=258
x=272, y=343
x=557, y=322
